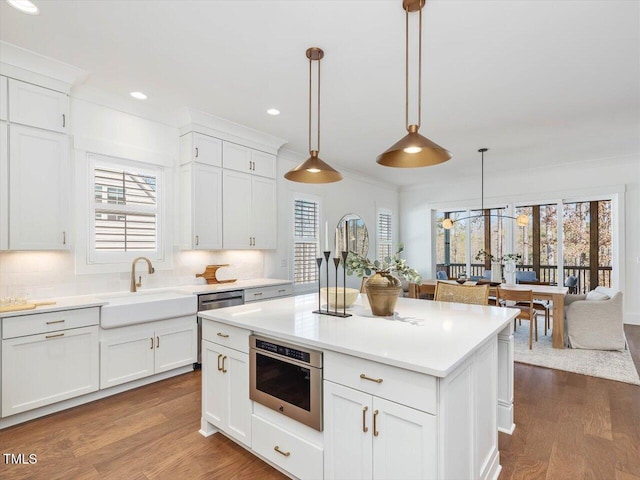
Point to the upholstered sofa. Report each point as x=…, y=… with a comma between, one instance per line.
x=594, y=321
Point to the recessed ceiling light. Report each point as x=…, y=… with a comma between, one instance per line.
x=25, y=6
x=273, y=111
x=138, y=95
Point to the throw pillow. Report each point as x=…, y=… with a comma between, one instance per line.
x=609, y=292
x=596, y=296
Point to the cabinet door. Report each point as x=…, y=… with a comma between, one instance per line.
x=348, y=433
x=236, y=208
x=38, y=107
x=236, y=157
x=38, y=193
x=176, y=346
x=4, y=186
x=3, y=98
x=207, y=207
x=214, y=385
x=126, y=358
x=207, y=150
x=39, y=370
x=405, y=444
x=238, y=402
x=264, y=164
x=263, y=212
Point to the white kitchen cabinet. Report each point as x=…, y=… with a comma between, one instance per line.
x=43, y=362
x=138, y=351
x=196, y=147
x=201, y=206
x=247, y=160
x=38, y=106
x=3, y=98
x=266, y=293
x=225, y=390
x=248, y=211
x=370, y=437
x=39, y=174
x=4, y=186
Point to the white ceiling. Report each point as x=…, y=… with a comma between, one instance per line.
x=539, y=82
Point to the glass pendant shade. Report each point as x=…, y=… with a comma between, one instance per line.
x=313, y=170
x=413, y=150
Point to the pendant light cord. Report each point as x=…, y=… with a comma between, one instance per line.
x=482, y=184
x=406, y=68
x=318, y=106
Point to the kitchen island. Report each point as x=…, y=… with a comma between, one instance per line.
x=421, y=394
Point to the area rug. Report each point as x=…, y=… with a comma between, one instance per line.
x=611, y=365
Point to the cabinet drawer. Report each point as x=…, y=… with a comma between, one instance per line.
x=409, y=388
x=49, y=322
x=38, y=106
x=227, y=335
x=293, y=454
x=264, y=293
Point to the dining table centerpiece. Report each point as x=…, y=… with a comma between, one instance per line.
x=382, y=285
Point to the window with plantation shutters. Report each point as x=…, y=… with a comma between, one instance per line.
x=385, y=234
x=124, y=209
x=306, y=226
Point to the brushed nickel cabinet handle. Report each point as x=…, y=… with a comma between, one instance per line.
x=196, y=152
x=364, y=377
x=55, y=321
x=277, y=449
x=64, y=120
x=157, y=342
x=365, y=429
x=224, y=370
x=219, y=357
x=56, y=335
x=151, y=346
x=223, y=335
x=375, y=427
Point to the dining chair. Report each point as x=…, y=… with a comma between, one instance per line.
x=543, y=306
x=524, y=302
x=451, y=292
x=424, y=291
x=442, y=275
x=572, y=283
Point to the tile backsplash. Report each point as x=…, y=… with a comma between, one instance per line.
x=43, y=275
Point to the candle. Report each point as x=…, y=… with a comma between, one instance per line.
x=326, y=236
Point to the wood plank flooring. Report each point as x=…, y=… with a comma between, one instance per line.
x=569, y=426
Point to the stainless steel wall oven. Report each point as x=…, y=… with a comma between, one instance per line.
x=286, y=378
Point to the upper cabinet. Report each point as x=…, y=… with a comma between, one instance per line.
x=244, y=159
x=39, y=172
x=204, y=149
x=3, y=98
x=38, y=106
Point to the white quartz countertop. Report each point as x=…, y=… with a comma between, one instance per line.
x=99, y=299
x=424, y=336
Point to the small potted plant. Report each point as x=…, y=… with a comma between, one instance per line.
x=383, y=288
x=510, y=260
x=496, y=267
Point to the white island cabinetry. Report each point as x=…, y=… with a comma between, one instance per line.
x=414, y=396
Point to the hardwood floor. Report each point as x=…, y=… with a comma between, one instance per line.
x=569, y=426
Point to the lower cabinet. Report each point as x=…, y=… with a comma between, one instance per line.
x=46, y=368
x=225, y=390
x=367, y=437
x=138, y=351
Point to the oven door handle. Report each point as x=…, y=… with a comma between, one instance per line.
x=282, y=358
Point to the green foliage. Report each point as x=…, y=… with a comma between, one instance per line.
x=362, y=266
x=511, y=257
x=483, y=255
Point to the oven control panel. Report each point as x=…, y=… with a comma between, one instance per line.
x=288, y=352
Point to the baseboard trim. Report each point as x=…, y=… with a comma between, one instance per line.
x=632, y=318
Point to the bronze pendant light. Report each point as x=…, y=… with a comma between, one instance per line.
x=313, y=169
x=413, y=150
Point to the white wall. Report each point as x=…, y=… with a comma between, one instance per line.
x=354, y=194
x=563, y=181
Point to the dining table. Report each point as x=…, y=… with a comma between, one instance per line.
x=552, y=293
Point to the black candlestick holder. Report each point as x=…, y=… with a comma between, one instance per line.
x=336, y=263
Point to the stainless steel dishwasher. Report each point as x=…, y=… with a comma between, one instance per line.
x=211, y=301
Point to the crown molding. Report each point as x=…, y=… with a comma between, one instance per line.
x=31, y=67
x=201, y=122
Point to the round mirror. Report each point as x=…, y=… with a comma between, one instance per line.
x=352, y=235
